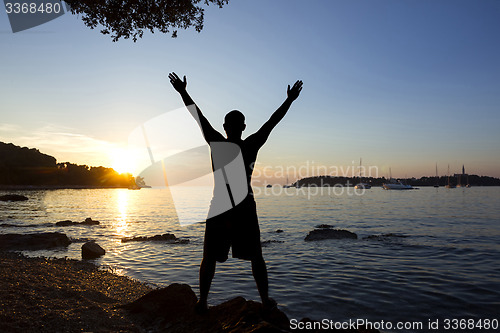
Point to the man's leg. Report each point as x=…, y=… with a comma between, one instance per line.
x=259, y=271
x=207, y=272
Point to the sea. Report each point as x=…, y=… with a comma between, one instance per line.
x=431, y=265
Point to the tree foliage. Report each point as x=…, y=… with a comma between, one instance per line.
x=132, y=17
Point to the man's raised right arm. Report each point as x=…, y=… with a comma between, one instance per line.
x=209, y=133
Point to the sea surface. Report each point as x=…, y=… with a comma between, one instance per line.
x=441, y=260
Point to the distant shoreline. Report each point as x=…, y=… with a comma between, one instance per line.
x=88, y=187
x=56, y=187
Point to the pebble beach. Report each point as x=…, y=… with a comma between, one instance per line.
x=63, y=295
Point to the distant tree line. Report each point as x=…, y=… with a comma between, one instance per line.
x=472, y=180
x=24, y=166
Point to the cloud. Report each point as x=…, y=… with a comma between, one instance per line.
x=64, y=143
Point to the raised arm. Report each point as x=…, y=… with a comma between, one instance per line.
x=209, y=133
x=263, y=133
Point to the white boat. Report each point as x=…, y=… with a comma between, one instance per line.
x=396, y=185
x=361, y=186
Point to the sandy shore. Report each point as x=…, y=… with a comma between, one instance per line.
x=59, y=295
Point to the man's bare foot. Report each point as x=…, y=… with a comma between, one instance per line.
x=269, y=305
x=201, y=307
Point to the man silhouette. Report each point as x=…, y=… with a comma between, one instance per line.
x=237, y=227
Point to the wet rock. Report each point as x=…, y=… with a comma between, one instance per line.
x=66, y=223
x=279, y=231
x=324, y=226
x=321, y=234
x=270, y=241
x=385, y=237
x=172, y=309
x=173, y=302
x=170, y=238
x=9, y=225
x=89, y=221
x=13, y=197
x=39, y=241
x=92, y=250
x=81, y=240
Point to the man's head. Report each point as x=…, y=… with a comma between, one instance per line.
x=234, y=124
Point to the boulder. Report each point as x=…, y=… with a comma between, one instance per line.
x=38, y=241
x=92, y=250
x=89, y=221
x=321, y=234
x=172, y=309
x=13, y=197
x=65, y=223
x=170, y=303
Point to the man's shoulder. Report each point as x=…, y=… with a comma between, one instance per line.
x=254, y=141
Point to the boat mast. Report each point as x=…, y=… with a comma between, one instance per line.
x=437, y=177
x=448, y=174
x=360, y=170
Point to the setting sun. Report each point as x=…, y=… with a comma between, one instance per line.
x=122, y=161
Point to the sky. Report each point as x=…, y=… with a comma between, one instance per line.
x=402, y=84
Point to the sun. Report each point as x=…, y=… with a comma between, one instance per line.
x=122, y=161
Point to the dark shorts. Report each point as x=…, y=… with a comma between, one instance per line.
x=239, y=228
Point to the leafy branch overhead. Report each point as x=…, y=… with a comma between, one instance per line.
x=130, y=18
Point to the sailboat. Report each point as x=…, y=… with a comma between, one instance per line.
x=361, y=186
x=286, y=185
x=437, y=177
x=449, y=185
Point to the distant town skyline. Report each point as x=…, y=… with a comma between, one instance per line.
x=402, y=85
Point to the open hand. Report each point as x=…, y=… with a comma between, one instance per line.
x=176, y=82
x=294, y=92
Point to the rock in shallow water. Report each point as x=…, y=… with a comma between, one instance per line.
x=13, y=197
x=32, y=242
x=385, y=237
x=320, y=234
x=324, y=226
x=88, y=221
x=92, y=250
x=170, y=238
x=270, y=241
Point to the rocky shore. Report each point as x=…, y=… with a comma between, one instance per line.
x=61, y=295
